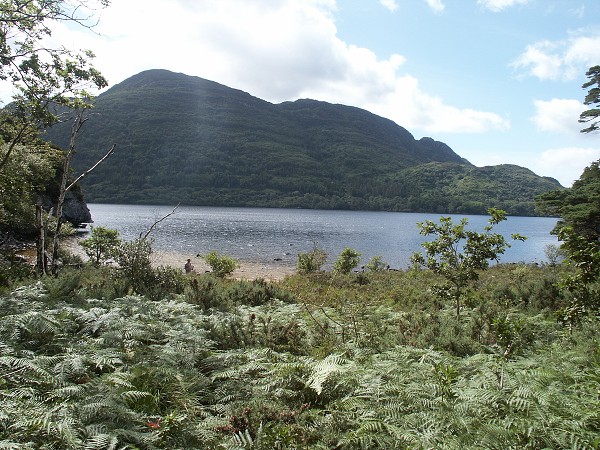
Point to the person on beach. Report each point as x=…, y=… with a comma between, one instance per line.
x=188, y=267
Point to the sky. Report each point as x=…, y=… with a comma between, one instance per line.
x=499, y=81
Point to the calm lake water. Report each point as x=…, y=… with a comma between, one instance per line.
x=261, y=235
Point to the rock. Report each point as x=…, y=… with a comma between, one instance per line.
x=75, y=210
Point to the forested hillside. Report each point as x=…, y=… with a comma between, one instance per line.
x=189, y=140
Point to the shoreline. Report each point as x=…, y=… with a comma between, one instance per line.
x=247, y=271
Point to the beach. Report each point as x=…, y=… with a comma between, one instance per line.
x=247, y=270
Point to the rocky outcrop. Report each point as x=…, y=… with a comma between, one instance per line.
x=75, y=210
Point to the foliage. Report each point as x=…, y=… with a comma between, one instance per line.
x=236, y=150
x=591, y=99
x=376, y=264
x=577, y=207
x=311, y=262
x=554, y=254
x=346, y=366
x=579, y=231
x=584, y=283
x=348, y=260
x=221, y=265
x=135, y=266
x=458, y=254
x=47, y=81
x=27, y=173
x=101, y=245
x=44, y=76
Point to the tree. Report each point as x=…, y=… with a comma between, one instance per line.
x=592, y=99
x=103, y=244
x=65, y=186
x=44, y=77
x=578, y=207
x=348, y=260
x=579, y=231
x=459, y=254
x=376, y=264
x=48, y=81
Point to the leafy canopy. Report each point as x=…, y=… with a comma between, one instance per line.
x=311, y=262
x=579, y=231
x=42, y=77
x=103, y=244
x=592, y=99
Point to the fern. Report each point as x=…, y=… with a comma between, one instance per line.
x=102, y=441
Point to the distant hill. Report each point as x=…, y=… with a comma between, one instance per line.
x=185, y=139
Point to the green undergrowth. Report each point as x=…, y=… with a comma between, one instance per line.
x=323, y=361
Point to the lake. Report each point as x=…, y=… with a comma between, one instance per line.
x=262, y=235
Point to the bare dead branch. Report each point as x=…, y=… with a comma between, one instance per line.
x=112, y=149
x=157, y=222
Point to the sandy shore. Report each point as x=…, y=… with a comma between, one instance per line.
x=248, y=270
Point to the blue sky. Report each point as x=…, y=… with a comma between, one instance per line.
x=497, y=80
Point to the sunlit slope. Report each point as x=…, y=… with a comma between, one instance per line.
x=185, y=139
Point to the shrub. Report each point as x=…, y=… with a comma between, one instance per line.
x=134, y=263
x=348, y=260
x=13, y=268
x=459, y=254
x=103, y=244
x=312, y=261
x=376, y=264
x=220, y=265
x=255, y=293
x=165, y=282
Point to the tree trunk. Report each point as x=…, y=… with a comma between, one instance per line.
x=41, y=240
x=77, y=124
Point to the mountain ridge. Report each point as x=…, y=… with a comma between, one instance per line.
x=183, y=139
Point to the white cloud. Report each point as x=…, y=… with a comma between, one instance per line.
x=578, y=12
x=558, y=115
x=560, y=60
x=565, y=164
x=437, y=5
x=277, y=50
x=499, y=5
x=392, y=5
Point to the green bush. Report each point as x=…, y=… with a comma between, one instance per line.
x=312, y=261
x=135, y=266
x=164, y=282
x=205, y=292
x=348, y=260
x=220, y=265
x=256, y=293
x=13, y=269
x=102, y=245
x=375, y=264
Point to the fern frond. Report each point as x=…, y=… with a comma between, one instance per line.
x=134, y=396
x=102, y=442
x=322, y=370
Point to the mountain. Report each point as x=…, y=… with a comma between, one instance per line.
x=189, y=140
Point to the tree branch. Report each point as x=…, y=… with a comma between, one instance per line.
x=157, y=222
x=112, y=149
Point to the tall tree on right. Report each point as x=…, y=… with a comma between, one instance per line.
x=592, y=99
x=579, y=225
